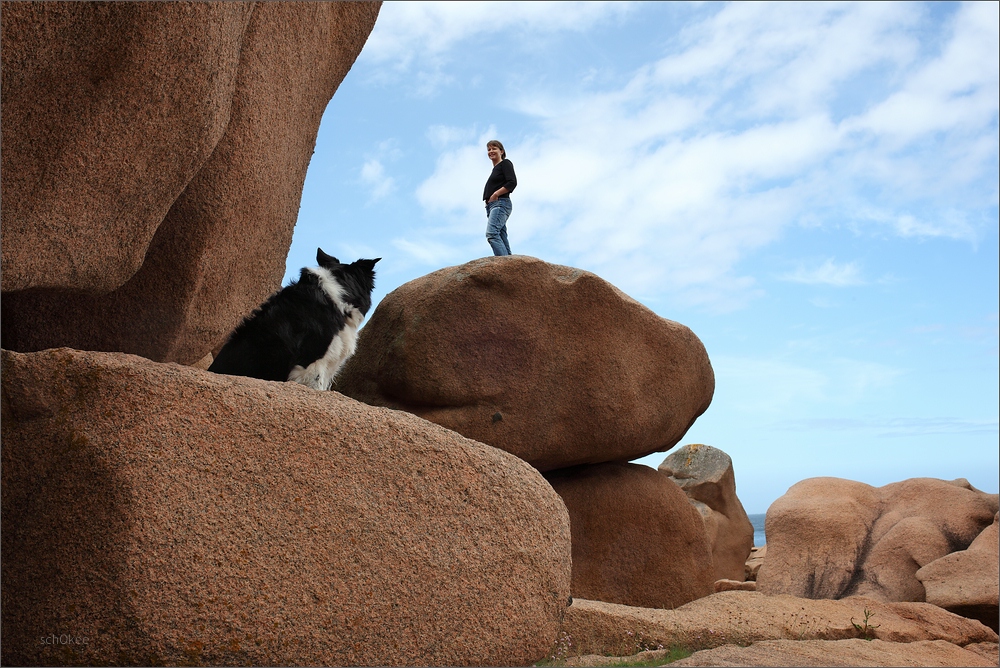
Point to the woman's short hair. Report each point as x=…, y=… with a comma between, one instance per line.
x=494, y=142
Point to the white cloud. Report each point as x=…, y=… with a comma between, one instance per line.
x=443, y=136
x=373, y=175
x=828, y=273
x=959, y=90
x=427, y=251
x=895, y=426
x=409, y=31
x=774, y=385
x=666, y=181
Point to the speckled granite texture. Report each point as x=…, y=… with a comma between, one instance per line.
x=154, y=513
x=153, y=161
x=550, y=363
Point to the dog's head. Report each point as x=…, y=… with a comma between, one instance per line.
x=357, y=278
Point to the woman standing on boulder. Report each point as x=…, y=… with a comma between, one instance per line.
x=497, y=196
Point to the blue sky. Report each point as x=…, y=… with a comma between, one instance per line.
x=811, y=188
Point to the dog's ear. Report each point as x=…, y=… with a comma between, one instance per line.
x=325, y=260
x=368, y=264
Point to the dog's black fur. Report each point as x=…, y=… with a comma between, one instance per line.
x=305, y=331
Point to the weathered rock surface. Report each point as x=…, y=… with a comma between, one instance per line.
x=734, y=585
x=743, y=617
x=173, y=516
x=854, y=652
x=550, y=363
x=636, y=539
x=153, y=162
x=967, y=582
x=831, y=538
x=706, y=476
x=754, y=562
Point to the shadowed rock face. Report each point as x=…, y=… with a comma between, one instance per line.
x=550, y=363
x=967, y=582
x=636, y=539
x=831, y=538
x=173, y=516
x=153, y=162
x=706, y=476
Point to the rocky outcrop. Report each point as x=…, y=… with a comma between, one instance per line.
x=812, y=653
x=967, y=582
x=159, y=514
x=854, y=652
x=153, y=162
x=832, y=538
x=636, y=539
x=549, y=363
x=743, y=617
x=706, y=476
x=734, y=585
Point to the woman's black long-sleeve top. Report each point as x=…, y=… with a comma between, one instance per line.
x=502, y=176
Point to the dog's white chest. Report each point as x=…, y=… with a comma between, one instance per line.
x=320, y=374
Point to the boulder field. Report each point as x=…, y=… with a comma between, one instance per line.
x=472, y=479
x=153, y=161
x=161, y=514
x=832, y=538
x=560, y=368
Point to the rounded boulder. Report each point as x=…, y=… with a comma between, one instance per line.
x=163, y=515
x=636, y=539
x=550, y=363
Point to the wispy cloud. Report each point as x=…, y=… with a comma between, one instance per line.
x=894, y=427
x=411, y=32
x=775, y=385
x=373, y=172
x=828, y=273
x=753, y=121
x=373, y=175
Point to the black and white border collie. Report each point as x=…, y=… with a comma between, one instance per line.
x=305, y=331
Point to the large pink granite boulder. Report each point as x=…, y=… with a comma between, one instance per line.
x=707, y=478
x=636, y=539
x=550, y=363
x=967, y=582
x=156, y=514
x=831, y=538
x=153, y=161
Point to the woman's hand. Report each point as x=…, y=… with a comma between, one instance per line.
x=494, y=197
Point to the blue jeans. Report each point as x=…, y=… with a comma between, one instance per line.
x=496, y=225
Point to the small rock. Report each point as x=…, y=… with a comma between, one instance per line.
x=706, y=476
x=755, y=561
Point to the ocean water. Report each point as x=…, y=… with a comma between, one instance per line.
x=757, y=521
